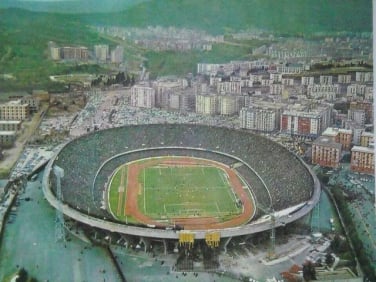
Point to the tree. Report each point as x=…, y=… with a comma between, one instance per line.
x=22, y=275
x=309, y=272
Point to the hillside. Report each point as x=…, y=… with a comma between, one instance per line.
x=23, y=50
x=71, y=6
x=24, y=35
x=217, y=16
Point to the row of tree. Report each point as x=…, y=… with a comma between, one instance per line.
x=120, y=78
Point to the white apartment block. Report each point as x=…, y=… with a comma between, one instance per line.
x=363, y=76
x=276, y=77
x=326, y=79
x=233, y=87
x=368, y=95
x=288, y=81
x=261, y=119
x=214, y=80
x=174, y=101
x=257, y=77
x=206, y=104
x=227, y=105
x=101, y=52
x=326, y=91
x=10, y=125
x=142, y=96
x=14, y=110
x=55, y=53
x=276, y=89
x=357, y=115
x=33, y=103
x=308, y=80
x=344, y=78
x=356, y=89
x=290, y=68
x=208, y=69
x=165, y=87
x=117, y=55
x=366, y=139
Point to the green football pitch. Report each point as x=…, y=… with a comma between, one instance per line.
x=170, y=191
x=176, y=191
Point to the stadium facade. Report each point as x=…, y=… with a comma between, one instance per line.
x=283, y=187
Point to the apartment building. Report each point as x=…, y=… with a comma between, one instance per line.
x=366, y=106
x=74, y=53
x=276, y=77
x=306, y=122
x=55, y=53
x=7, y=138
x=10, y=125
x=326, y=79
x=362, y=160
x=33, y=102
x=340, y=135
x=102, y=52
x=233, y=87
x=227, y=105
x=14, y=110
x=326, y=152
x=206, y=104
x=366, y=139
x=258, y=118
x=290, y=68
x=356, y=129
x=165, y=87
x=142, y=96
x=357, y=115
x=344, y=78
x=288, y=81
x=276, y=89
x=117, y=55
x=324, y=91
x=307, y=80
x=363, y=76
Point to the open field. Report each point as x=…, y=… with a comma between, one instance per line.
x=173, y=189
x=186, y=191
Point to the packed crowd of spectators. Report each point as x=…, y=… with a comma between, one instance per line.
x=287, y=181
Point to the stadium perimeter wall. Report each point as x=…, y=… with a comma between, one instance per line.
x=81, y=214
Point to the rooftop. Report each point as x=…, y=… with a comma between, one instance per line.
x=10, y=121
x=8, y=133
x=331, y=131
x=362, y=149
x=326, y=141
x=368, y=134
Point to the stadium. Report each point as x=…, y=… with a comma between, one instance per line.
x=268, y=186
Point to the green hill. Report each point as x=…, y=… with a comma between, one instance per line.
x=69, y=6
x=23, y=49
x=217, y=16
x=24, y=35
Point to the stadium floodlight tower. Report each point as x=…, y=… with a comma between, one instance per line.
x=59, y=223
x=269, y=211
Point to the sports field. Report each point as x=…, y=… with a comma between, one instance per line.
x=195, y=190
x=170, y=188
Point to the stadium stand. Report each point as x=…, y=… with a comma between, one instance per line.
x=287, y=181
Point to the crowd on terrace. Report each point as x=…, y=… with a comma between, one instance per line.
x=287, y=181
